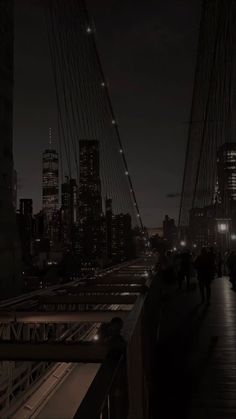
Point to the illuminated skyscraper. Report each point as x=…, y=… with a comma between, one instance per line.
x=90, y=202
x=121, y=238
x=226, y=170
x=50, y=184
x=69, y=211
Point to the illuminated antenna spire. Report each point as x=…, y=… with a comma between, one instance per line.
x=50, y=137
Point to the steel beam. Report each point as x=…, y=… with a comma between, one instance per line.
x=61, y=317
x=105, y=289
x=88, y=299
x=119, y=280
x=53, y=352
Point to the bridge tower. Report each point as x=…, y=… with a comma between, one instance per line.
x=211, y=129
x=9, y=245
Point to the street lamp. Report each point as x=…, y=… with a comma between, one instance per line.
x=233, y=236
x=183, y=243
x=222, y=227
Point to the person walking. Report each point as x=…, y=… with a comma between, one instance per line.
x=185, y=268
x=206, y=271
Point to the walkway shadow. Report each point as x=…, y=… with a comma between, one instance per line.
x=176, y=377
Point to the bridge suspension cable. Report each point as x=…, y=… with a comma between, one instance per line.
x=85, y=110
x=212, y=112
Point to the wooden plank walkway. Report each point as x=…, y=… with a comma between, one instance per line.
x=196, y=361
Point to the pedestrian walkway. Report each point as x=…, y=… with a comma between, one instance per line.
x=196, y=367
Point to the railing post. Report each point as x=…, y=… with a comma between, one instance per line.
x=118, y=396
x=141, y=352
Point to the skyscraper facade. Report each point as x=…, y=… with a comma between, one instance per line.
x=226, y=171
x=69, y=211
x=121, y=237
x=9, y=243
x=50, y=184
x=90, y=202
x=25, y=228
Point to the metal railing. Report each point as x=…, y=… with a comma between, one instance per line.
x=122, y=386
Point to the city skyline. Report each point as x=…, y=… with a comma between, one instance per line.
x=154, y=175
x=92, y=301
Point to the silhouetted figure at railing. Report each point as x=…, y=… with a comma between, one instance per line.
x=205, y=267
x=231, y=264
x=110, y=333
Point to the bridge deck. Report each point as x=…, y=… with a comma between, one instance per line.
x=196, y=369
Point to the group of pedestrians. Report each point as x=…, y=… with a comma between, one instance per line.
x=184, y=265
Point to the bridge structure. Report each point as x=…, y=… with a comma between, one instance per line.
x=52, y=343
x=207, y=210
x=87, y=348
x=81, y=348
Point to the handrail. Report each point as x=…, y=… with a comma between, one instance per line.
x=95, y=399
x=102, y=389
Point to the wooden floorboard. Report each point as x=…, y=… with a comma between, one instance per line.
x=195, y=375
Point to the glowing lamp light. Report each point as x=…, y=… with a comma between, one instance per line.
x=233, y=236
x=222, y=227
x=103, y=84
x=96, y=337
x=121, y=151
x=113, y=122
x=195, y=246
x=174, y=249
x=88, y=30
x=127, y=173
x=183, y=243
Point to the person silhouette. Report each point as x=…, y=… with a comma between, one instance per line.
x=205, y=271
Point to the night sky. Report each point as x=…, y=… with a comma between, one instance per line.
x=148, y=51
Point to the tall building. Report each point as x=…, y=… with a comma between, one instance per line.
x=226, y=183
x=50, y=186
x=26, y=207
x=122, y=248
x=226, y=171
x=9, y=243
x=202, y=225
x=26, y=229
x=108, y=227
x=169, y=230
x=69, y=211
x=90, y=202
